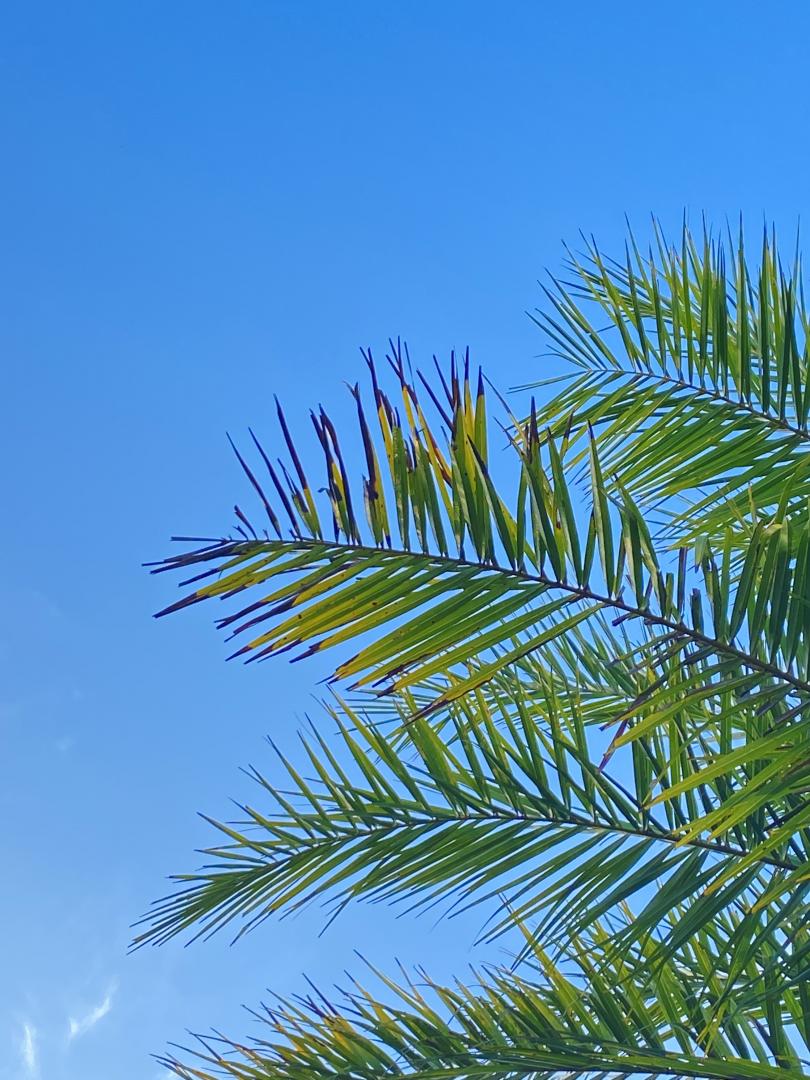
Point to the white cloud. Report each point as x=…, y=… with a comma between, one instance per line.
x=28, y=1049
x=85, y=1023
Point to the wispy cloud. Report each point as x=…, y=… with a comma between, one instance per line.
x=28, y=1049
x=85, y=1023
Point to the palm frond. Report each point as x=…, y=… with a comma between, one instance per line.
x=505, y=1027
x=535, y=567
x=725, y=649
x=600, y=731
x=692, y=369
x=517, y=815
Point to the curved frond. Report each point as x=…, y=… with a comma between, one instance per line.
x=692, y=369
x=510, y=810
x=600, y=730
x=537, y=567
x=507, y=1028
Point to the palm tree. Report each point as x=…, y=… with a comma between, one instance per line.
x=578, y=693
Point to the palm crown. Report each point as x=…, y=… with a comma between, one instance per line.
x=573, y=686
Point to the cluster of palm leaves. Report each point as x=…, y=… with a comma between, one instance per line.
x=572, y=686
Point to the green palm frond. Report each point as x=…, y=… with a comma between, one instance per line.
x=516, y=814
x=692, y=368
x=598, y=730
x=723, y=646
x=532, y=567
x=577, y=1021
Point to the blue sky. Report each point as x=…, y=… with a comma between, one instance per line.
x=203, y=204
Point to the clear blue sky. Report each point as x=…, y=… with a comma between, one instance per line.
x=203, y=203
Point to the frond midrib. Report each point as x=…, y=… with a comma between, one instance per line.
x=459, y=819
x=581, y=592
